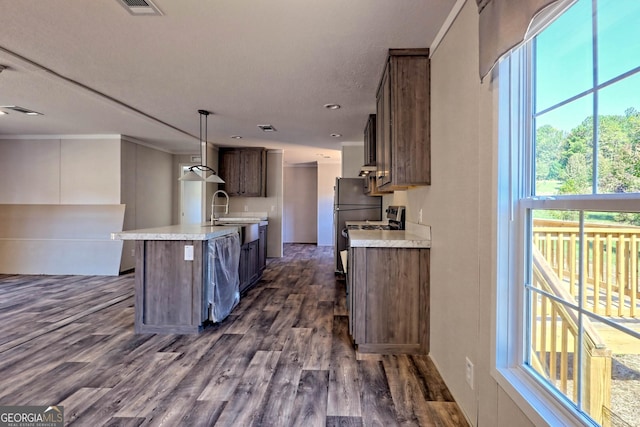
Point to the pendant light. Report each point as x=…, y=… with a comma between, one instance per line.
x=191, y=175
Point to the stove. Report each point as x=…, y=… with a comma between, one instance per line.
x=395, y=217
x=369, y=227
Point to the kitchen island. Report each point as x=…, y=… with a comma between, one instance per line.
x=170, y=276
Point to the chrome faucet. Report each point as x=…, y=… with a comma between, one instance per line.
x=213, y=205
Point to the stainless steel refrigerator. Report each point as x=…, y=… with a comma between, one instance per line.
x=351, y=204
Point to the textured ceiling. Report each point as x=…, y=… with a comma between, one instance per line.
x=92, y=68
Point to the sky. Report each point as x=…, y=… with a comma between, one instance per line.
x=565, y=62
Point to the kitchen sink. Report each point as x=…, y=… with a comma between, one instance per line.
x=248, y=232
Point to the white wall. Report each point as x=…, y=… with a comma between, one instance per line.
x=60, y=171
x=352, y=159
x=147, y=190
x=63, y=206
x=327, y=174
x=459, y=206
x=300, y=197
x=272, y=204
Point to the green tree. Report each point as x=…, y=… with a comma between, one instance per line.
x=549, y=146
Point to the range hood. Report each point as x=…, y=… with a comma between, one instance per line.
x=366, y=170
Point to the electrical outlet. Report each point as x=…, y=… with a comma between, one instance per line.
x=246, y=208
x=133, y=252
x=420, y=216
x=469, y=372
x=188, y=252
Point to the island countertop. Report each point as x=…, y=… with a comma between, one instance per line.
x=176, y=232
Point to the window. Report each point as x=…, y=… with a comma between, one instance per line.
x=569, y=215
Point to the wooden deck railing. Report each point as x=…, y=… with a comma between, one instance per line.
x=611, y=256
x=554, y=341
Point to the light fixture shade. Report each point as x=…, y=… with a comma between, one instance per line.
x=191, y=176
x=215, y=179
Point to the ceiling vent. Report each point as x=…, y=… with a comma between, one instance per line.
x=140, y=7
x=267, y=128
x=21, y=110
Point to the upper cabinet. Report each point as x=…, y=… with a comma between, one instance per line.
x=403, y=146
x=244, y=171
x=370, y=141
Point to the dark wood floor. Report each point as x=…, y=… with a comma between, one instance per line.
x=283, y=358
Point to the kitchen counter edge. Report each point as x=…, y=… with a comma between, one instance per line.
x=176, y=232
x=387, y=239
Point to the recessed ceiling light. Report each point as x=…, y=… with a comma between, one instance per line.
x=267, y=128
x=332, y=106
x=21, y=110
x=336, y=135
x=236, y=137
x=3, y=113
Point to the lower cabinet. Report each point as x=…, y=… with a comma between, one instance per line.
x=169, y=291
x=253, y=259
x=262, y=248
x=388, y=300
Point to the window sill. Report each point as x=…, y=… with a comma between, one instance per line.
x=537, y=403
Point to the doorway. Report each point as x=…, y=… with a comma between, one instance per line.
x=190, y=198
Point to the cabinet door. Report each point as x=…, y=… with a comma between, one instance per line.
x=254, y=261
x=350, y=281
x=383, y=131
x=243, y=267
x=231, y=172
x=262, y=248
x=251, y=184
x=370, y=141
x=410, y=163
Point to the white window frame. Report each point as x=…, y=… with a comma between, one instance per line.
x=541, y=403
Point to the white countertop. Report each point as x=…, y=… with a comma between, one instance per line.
x=176, y=232
x=415, y=236
x=387, y=239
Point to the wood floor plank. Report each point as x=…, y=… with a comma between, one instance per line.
x=283, y=357
x=277, y=406
x=377, y=404
x=242, y=408
x=434, y=389
x=201, y=414
x=310, y=405
x=344, y=382
x=78, y=402
x=333, y=421
x=320, y=319
x=407, y=391
x=226, y=377
x=447, y=414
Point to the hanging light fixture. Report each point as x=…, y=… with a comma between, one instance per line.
x=191, y=175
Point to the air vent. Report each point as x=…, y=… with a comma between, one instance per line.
x=267, y=128
x=140, y=7
x=21, y=110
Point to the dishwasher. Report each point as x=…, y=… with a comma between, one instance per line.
x=222, y=287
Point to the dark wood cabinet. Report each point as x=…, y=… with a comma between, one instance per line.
x=244, y=171
x=370, y=141
x=370, y=157
x=388, y=299
x=169, y=290
x=262, y=248
x=248, y=269
x=403, y=146
x=253, y=259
